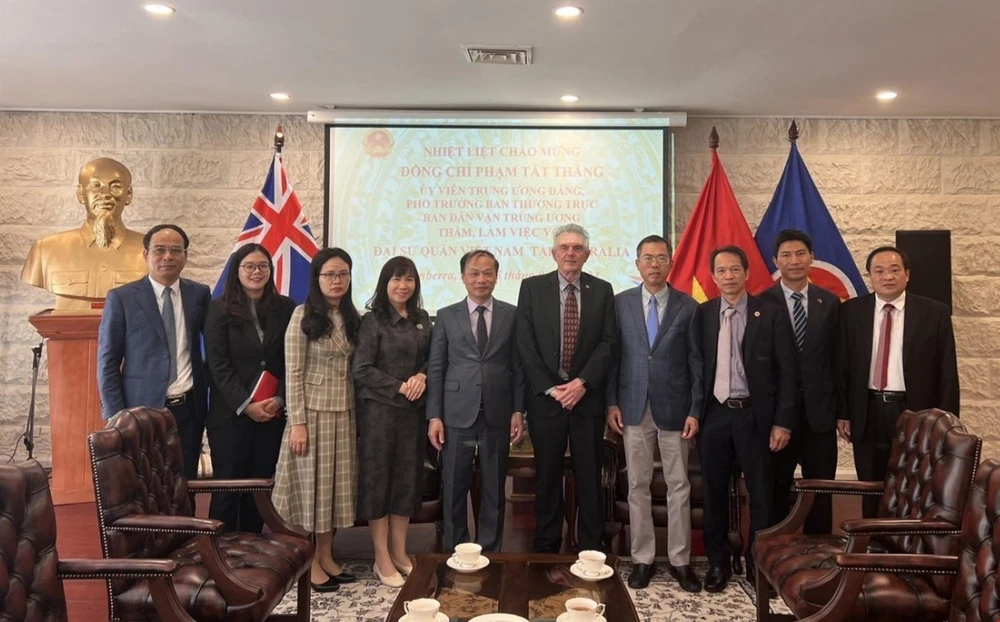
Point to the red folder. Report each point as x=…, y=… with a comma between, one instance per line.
x=266, y=387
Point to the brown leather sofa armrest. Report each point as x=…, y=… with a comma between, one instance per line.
x=168, y=524
x=891, y=562
x=898, y=527
x=116, y=568
x=839, y=487
x=199, y=486
x=273, y=520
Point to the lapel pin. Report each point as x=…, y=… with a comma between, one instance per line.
x=756, y=313
x=819, y=300
x=420, y=326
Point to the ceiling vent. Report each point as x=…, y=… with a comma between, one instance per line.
x=498, y=54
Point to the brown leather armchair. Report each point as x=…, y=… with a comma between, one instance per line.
x=615, y=482
x=932, y=464
x=33, y=588
x=144, y=511
x=865, y=579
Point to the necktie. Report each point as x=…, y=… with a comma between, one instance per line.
x=723, y=356
x=571, y=326
x=481, y=336
x=882, y=353
x=652, y=321
x=170, y=328
x=798, y=319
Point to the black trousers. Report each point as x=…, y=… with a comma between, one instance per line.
x=243, y=450
x=190, y=429
x=727, y=436
x=871, y=451
x=817, y=453
x=586, y=438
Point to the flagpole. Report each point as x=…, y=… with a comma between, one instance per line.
x=793, y=132
x=279, y=139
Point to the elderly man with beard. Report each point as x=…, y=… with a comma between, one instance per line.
x=80, y=266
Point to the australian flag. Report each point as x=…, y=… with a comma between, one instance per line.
x=277, y=223
x=798, y=205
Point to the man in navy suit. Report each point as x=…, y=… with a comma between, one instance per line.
x=655, y=396
x=475, y=400
x=149, y=343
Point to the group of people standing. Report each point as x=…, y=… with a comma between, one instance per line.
x=765, y=382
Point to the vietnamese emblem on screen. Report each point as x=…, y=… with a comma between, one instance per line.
x=378, y=142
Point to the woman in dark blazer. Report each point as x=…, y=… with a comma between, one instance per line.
x=245, y=336
x=390, y=371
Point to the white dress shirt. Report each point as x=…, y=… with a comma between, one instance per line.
x=791, y=303
x=474, y=316
x=894, y=377
x=661, y=303
x=185, y=377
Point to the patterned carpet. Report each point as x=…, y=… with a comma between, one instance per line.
x=663, y=601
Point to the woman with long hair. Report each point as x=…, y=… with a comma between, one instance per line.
x=315, y=485
x=245, y=339
x=390, y=368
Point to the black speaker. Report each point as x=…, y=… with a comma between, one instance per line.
x=930, y=262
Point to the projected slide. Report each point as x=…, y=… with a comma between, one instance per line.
x=433, y=193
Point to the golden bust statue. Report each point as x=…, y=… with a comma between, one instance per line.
x=81, y=265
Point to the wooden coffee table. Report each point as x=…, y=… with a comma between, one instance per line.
x=532, y=586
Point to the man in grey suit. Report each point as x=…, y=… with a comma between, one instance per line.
x=475, y=400
x=655, y=395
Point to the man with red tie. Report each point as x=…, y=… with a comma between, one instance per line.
x=896, y=352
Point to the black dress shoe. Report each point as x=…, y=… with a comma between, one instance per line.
x=717, y=578
x=641, y=574
x=343, y=577
x=686, y=577
x=330, y=585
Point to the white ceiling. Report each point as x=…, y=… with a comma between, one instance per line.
x=753, y=57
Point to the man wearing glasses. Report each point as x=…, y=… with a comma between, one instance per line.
x=655, y=397
x=149, y=342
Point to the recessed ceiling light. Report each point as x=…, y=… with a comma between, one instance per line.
x=568, y=12
x=281, y=97
x=887, y=95
x=159, y=9
x=570, y=99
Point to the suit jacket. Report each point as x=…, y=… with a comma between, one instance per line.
x=768, y=358
x=132, y=361
x=317, y=373
x=539, y=342
x=669, y=374
x=930, y=365
x=816, y=361
x=459, y=379
x=236, y=358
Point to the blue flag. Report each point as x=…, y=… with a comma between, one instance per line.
x=798, y=205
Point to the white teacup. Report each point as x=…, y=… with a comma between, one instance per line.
x=468, y=554
x=592, y=562
x=422, y=609
x=583, y=610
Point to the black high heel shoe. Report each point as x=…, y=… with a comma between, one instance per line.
x=330, y=585
x=343, y=577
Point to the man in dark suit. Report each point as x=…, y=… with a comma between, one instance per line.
x=814, y=313
x=567, y=338
x=149, y=342
x=475, y=400
x=896, y=352
x=655, y=398
x=750, y=392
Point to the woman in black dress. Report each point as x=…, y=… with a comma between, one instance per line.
x=390, y=371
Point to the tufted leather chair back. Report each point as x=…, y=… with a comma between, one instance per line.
x=976, y=596
x=931, y=468
x=29, y=586
x=137, y=467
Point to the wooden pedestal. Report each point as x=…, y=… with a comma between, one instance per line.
x=74, y=401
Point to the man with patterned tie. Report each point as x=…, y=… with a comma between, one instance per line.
x=567, y=338
x=750, y=393
x=655, y=398
x=896, y=352
x=475, y=400
x=149, y=342
x=814, y=313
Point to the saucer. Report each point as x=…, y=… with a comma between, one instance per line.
x=480, y=564
x=565, y=616
x=498, y=617
x=606, y=572
x=440, y=617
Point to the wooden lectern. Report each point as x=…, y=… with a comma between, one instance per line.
x=74, y=401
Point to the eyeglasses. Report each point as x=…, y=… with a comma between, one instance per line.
x=335, y=276
x=160, y=251
x=649, y=259
x=250, y=268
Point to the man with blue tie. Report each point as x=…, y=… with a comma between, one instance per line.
x=655, y=396
x=149, y=342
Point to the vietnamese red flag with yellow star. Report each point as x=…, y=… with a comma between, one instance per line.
x=716, y=221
